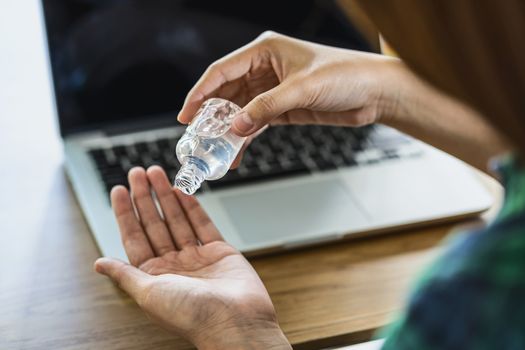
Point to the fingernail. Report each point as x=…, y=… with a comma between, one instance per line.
x=98, y=265
x=243, y=122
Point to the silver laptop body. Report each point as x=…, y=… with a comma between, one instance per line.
x=421, y=185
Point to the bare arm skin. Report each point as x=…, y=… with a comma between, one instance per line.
x=442, y=121
x=282, y=80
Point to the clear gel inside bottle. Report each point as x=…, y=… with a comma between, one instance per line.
x=208, y=147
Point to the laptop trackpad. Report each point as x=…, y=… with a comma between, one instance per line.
x=293, y=213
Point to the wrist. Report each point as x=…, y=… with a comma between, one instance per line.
x=256, y=335
x=398, y=97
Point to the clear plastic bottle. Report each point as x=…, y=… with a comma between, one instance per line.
x=208, y=147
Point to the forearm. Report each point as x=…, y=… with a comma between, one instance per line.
x=441, y=121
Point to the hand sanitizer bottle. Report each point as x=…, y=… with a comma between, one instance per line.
x=208, y=147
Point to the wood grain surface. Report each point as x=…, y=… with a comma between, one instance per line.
x=50, y=298
x=327, y=295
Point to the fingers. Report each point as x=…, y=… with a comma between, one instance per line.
x=174, y=215
x=228, y=68
x=133, y=236
x=153, y=224
x=200, y=221
x=129, y=278
x=265, y=107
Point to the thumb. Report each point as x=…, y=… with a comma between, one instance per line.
x=264, y=108
x=130, y=279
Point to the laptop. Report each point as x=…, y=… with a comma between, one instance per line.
x=121, y=69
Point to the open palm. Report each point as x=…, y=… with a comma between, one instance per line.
x=181, y=272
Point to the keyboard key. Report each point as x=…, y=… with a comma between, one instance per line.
x=153, y=149
x=120, y=151
x=111, y=157
x=256, y=175
x=97, y=155
x=164, y=145
x=125, y=164
x=325, y=164
x=110, y=170
x=296, y=168
x=142, y=148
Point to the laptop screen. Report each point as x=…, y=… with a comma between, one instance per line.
x=124, y=62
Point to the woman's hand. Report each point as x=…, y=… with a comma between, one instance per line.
x=183, y=274
x=279, y=79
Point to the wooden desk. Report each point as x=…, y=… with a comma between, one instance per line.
x=50, y=298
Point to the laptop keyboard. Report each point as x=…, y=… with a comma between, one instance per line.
x=280, y=151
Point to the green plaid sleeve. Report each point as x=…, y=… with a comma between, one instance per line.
x=472, y=297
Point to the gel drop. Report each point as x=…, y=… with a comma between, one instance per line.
x=208, y=147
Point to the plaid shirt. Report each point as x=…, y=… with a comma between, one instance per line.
x=473, y=296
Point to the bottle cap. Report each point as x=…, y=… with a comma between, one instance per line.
x=189, y=178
